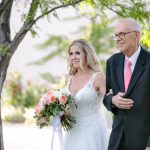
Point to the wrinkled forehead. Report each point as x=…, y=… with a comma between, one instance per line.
x=125, y=26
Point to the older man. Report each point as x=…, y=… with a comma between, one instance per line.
x=128, y=79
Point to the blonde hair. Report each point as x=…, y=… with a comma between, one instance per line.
x=90, y=55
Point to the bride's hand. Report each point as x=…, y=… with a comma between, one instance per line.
x=68, y=111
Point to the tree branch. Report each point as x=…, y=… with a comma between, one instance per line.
x=5, y=23
x=115, y=11
x=55, y=8
x=125, y=6
x=4, y=4
x=32, y=11
x=28, y=24
x=26, y=27
x=19, y=36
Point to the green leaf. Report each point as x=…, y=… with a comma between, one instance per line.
x=33, y=33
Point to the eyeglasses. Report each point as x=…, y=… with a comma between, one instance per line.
x=121, y=35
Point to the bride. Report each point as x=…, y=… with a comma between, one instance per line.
x=86, y=83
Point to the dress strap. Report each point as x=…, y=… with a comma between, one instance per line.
x=68, y=81
x=93, y=78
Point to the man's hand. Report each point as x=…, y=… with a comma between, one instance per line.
x=123, y=103
x=147, y=148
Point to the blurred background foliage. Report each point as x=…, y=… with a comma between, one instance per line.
x=18, y=94
x=102, y=16
x=18, y=97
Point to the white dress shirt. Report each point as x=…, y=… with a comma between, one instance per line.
x=133, y=58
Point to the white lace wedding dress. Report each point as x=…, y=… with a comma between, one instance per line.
x=90, y=131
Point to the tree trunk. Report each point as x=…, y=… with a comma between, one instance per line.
x=5, y=11
x=1, y=129
x=2, y=79
x=1, y=132
x=8, y=47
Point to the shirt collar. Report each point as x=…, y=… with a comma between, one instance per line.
x=134, y=57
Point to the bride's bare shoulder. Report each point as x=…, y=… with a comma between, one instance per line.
x=99, y=76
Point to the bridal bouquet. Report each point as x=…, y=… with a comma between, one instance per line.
x=52, y=104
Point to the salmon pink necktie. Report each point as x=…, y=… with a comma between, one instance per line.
x=127, y=74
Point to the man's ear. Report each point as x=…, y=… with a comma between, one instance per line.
x=138, y=35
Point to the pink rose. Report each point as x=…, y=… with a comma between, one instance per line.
x=50, y=98
x=38, y=110
x=63, y=99
x=40, y=106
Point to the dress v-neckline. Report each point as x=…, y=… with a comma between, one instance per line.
x=74, y=95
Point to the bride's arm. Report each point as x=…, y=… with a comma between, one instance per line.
x=99, y=83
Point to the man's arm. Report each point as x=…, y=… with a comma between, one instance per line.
x=109, y=94
x=111, y=101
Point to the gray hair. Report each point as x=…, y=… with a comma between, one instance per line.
x=133, y=24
